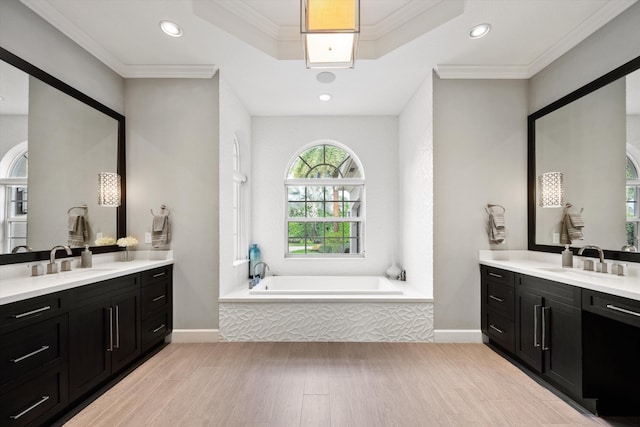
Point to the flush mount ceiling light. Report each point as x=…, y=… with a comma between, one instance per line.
x=479, y=31
x=325, y=97
x=171, y=28
x=330, y=30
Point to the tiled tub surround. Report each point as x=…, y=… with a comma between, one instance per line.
x=16, y=283
x=549, y=266
x=405, y=317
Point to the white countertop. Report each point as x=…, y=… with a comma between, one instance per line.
x=16, y=284
x=549, y=266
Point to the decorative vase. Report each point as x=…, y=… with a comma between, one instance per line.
x=394, y=271
x=126, y=256
x=254, y=257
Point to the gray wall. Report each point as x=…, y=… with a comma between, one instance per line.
x=13, y=130
x=172, y=159
x=25, y=34
x=480, y=157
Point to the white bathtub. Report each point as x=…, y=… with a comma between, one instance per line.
x=325, y=285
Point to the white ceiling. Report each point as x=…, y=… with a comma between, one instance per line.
x=257, y=47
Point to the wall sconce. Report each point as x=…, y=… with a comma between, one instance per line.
x=108, y=189
x=330, y=29
x=551, y=190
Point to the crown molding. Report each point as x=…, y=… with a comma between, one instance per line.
x=589, y=26
x=251, y=17
x=398, y=18
x=482, y=71
x=169, y=71
x=60, y=22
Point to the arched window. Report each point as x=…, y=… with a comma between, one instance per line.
x=325, y=203
x=13, y=197
x=633, y=195
x=238, y=205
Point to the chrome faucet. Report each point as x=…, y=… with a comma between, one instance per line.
x=52, y=267
x=17, y=248
x=588, y=264
x=264, y=269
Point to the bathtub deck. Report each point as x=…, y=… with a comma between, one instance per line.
x=330, y=384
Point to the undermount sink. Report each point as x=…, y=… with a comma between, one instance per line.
x=577, y=271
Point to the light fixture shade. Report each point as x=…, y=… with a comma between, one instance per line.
x=551, y=190
x=330, y=29
x=108, y=189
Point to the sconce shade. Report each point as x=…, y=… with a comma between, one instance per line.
x=108, y=189
x=551, y=190
x=330, y=29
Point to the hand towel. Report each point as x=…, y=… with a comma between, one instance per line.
x=160, y=231
x=78, y=231
x=571, y=226
x=497, y=230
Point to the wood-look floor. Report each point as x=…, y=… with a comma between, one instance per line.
x=329, y=384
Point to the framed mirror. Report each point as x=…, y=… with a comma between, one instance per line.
x=591, y=137
x=54, y=141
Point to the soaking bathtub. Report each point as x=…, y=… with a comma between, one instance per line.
x=325, y=285
x=326, y=308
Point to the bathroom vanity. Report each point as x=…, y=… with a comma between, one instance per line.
x=578, y=331
x=66, y=336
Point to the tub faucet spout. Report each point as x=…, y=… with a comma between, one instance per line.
x=263, y=272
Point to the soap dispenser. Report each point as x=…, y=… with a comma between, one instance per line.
x=567, y=257
x=85, y=257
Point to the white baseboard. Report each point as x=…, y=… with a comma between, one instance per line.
x=195, y=335
x=457, y=336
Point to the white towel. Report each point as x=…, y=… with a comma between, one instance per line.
x=160, y=231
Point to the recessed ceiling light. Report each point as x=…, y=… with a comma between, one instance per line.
x=479, y=31
x=325, y=97
x=171, y=28
x=325, y=77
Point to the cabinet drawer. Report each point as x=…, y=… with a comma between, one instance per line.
x=500, y=299
x=617, y=308
x=156, y=274
x=155, y=329
x=32, y=347
x=501, y=330
x=496, y=275
x=156, y=297
x=24, y=313
x=89, y=293
x=34, y=402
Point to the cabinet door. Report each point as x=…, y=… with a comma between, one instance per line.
x=562, y=345
x=126, y=328
x=89, y=341
x=529, y=328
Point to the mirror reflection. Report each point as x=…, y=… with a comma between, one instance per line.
x=594, y=142
x=52, y=147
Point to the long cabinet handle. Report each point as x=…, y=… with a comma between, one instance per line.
x=622, y=310
x=545, y=325
x=158, y=329
x=160, y=274
x=493, y=297
x=158, y=298
x=110, y=310
x=498, y=330
x=536, y=343
x=117, y=327
x=30, y=408
x=29, y=313
x=33, y=353
x=499, y=276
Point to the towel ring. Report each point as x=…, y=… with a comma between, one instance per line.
x=162, y=209
x=86, y=209
x=490, y=206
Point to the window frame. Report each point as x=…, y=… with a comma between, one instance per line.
x=325, y=182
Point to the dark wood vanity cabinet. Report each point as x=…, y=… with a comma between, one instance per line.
x=104, y=329
x=497, y=293
x=549, y=331
x=58, y=349
x=33, y=360
x=537, y=321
